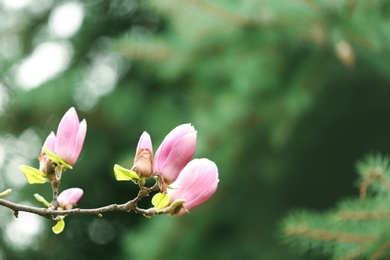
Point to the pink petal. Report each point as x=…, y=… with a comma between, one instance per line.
x=145, y=142
x=50, y=142
x=202, y=197
x=179, y=156
x=177, y=132
x=70, y=196
x=78, y=145
x=175, y=152
x=196, y=183
x=168, y=142
x=66, y=135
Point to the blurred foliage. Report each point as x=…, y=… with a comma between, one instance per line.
x=285, y=95
x=357, y=227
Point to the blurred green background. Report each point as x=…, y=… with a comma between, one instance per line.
x=286, y=97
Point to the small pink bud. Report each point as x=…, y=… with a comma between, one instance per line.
x=143, y=161
x=70, y=137
x=69, y=197
x=45, y=165
x=145, y=142
x=175, y=152
x=196, y=183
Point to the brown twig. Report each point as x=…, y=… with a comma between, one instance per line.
x=54, y=214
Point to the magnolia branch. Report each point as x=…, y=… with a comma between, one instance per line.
x=55, y=214
x=60, y=152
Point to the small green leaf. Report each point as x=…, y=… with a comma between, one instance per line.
x=123, y=174
x=41, y=199
x=175, y=206
x=160, y=201
x=5, y=193
x=55, y=158
x=33, y=176
x=59, y=227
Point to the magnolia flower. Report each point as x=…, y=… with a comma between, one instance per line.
x=196, y=183
x=143, y=162
x=175, y=152
x=69, y=197
x=70, y=137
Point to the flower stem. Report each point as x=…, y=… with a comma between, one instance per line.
x=55, y=180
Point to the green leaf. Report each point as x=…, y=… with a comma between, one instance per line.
x=175, y=206
x=123, y=174
x=33, y=176
x=41, y=199
x=160, y=201
x=5, y=193
x=55, y=158
x=59, y=227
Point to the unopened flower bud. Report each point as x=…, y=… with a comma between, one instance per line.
x=68, y=142
x=196, y=183
x=143, y=161
x=69, y=197
x=175, y=152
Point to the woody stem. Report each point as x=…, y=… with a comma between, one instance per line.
x=55, y=180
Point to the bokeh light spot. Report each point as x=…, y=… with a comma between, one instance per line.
x=66, y=19
x=47, y=60
x=20, y=232
x=101, y=231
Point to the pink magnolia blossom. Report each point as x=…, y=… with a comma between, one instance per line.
x=196, y=183
x=143, y=162
x=175, y=152
x=70, y=137
x=69, y=197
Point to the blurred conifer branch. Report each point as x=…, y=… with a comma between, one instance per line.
x=216, y=11
x=144, y=52
x=357, y=228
